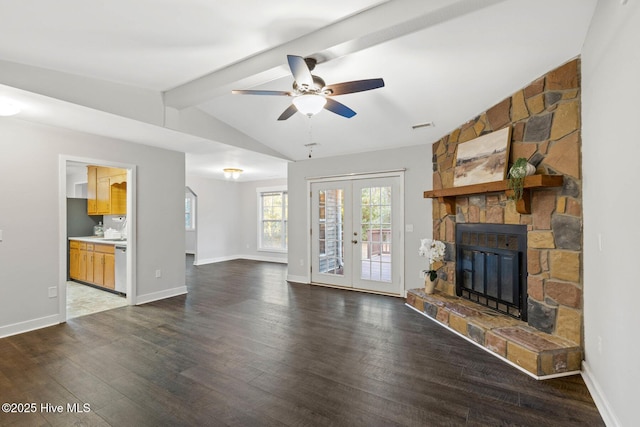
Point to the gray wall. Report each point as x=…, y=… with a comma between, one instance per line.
x=30, y=251
x=610, y=152
x=417, y=210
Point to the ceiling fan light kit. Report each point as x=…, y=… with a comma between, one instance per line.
x=311, y=94
x=309, y=103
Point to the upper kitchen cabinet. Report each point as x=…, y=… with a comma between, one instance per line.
x=106, y=191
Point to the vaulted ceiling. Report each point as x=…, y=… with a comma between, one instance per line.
x=161, y=72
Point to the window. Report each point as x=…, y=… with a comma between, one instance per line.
x=272, y=219
x=189, y=210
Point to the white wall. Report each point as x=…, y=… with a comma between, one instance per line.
x=611, y=149
x=73, y=179
x=418, y=178
x=249, y=218
x=190, y=242
x=227, y=220
x=218, y=223
x=29, y=190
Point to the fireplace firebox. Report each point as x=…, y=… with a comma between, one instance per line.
x=491, y=266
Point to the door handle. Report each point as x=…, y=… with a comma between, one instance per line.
x=354, y=241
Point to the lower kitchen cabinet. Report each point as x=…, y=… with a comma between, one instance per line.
x=104, y=269
x=92, y=263
x=74, y=259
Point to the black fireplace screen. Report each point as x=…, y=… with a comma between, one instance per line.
x=491, y=266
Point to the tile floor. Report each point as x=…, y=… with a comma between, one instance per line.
x=83, y=300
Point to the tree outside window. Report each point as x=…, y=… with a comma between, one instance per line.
x=273, y=215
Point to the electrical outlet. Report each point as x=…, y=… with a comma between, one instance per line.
x=53, y=291
x=158, y=273
x=301, y=262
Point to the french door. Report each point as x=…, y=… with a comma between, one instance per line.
x=356, y=234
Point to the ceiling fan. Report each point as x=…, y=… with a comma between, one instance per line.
x=311, y=94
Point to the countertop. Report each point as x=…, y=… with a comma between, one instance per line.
x=102, y=240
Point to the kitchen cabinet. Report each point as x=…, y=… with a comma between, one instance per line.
x=74, y=259
x=78, y=260
x=106, y=191
x=82, y=262
x=92, y=181
x=92, y=263
x=104, y=270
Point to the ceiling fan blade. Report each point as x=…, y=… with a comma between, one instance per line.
x=288, y=112
x=300, y=70
x=338, y=108
x=261, y=92
x=354, y=86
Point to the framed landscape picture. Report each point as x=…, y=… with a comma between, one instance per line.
x=483, y=159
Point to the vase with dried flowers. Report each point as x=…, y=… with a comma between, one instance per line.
x=433, y=251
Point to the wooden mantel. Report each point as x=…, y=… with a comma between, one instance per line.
x=447, y=196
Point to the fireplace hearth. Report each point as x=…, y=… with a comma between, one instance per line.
x=491, y=266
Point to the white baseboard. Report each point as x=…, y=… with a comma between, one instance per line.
x=298, y=279
x=155, y=296
x=29, y=325
x=264, y=258
x=214, y=260
x=598, y=397
x=234, y=257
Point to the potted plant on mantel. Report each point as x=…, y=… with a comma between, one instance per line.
x=520, y=169
x=433, y=250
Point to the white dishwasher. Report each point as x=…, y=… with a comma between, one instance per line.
x=121, y=269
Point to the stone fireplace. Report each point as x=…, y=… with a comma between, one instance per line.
x=545, y=121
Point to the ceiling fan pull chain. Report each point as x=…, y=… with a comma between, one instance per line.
x=311, y=143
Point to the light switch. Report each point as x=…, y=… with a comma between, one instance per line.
x=408, y=228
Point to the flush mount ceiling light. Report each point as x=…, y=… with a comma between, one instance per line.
x=8, y=108
x=309, y=104
x=232, y=173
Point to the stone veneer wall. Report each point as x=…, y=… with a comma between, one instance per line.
x=545, y=121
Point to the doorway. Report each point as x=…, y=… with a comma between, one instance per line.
x=356, y=233
x=190, y=223
x=81, y=296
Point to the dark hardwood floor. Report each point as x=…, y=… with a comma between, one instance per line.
x=246, y=348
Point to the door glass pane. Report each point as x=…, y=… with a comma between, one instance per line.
x=375, y=209
x=330, y=238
